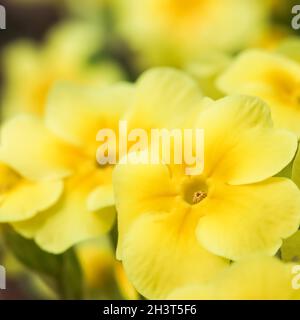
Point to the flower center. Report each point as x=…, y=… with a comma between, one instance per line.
x=180, y=11
x=194, y=190
x=199, y=196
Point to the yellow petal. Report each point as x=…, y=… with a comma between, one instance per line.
x=161, y=252
x=240, y=141
x=261, y=278
x=26, y=199
x=101, y=197
x=29, y=148
x=239, y=221
x=164, y=98
x=275, y=79
x=20, y=58
x=69, y=221
x=74, y=42
x=139, y=189
x=77, y=113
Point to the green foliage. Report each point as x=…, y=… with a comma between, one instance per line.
x=61, y=272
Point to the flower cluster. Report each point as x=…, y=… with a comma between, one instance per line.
x=150, y=229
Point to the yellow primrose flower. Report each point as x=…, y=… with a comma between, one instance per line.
x=272, y=77
x=30, y=70
x=171, y=224
x=21, y=198
x=206, y=68
x=64, y=147
x=101, y=269
x=171, y=32
x=260, y=278
x=96, y=260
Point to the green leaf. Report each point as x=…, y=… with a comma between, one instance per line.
x=61, y=272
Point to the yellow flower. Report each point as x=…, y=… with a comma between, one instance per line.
x=168, y=235
x=30, y=70
x=101, y=269
x=64, y=147
x=21, y=198
x=206, y=69
x=171, y=32
x=260, y=278
x=272, y=77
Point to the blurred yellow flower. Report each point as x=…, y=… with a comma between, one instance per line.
x=206, y=68
x=101, y=269
x=172, y=32
x=21, y=198
x=64, y=146
x=31, y=70
x=260, y=278
x=272, y=77
x=168, y=235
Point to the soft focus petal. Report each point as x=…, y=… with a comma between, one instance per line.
x=262, y=278
x=164, y=98
x=101, y=197
x=274, y=78
x=29, y=148
x=77, y=113
x=27, y=199
x=69, y=221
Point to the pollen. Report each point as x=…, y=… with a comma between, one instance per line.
x=199, y=196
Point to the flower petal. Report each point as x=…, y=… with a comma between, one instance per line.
x=161, y=252
x=239, y=221
x=260, y=278
x=26, y=199
x=135, y=196
x=33, y=151
x=164, y=98
x=240, y=141
x=275, y=79
x=69, y=221
x=76, y=114
x=101, y=197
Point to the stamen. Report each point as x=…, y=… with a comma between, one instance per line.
x=199, y=196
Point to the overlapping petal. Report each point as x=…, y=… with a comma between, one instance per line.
x=33, y=151
x=161, y=252
x=260, y=278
